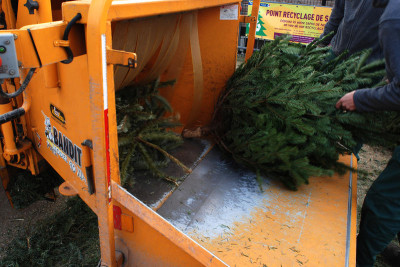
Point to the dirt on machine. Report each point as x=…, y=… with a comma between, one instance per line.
x=62, y=63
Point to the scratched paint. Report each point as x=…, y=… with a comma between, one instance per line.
x=233, y=195
x=227, y=206
x=277, y=227
x=206, y=147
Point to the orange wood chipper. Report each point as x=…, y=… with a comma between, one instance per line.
x=61, y=64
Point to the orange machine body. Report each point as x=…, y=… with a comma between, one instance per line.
x=70, y=110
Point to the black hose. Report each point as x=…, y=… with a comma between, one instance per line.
x=22, y=88
x=9, y=116
x=65, y=38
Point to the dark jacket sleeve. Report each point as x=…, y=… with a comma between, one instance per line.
x=334, y=20
x=388, y=96
x=382, y=98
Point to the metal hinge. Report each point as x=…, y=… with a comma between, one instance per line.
x=121, y=58
x=247, y=19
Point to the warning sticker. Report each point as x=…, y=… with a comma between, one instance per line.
x=229, y=12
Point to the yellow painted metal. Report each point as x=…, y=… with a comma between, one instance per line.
x=152, y=233
x=17, y=153
x=51, y=76
x=7, y=130
x=72, y=99
x=156, y=40
x=9, y=13
x=100, y=74
x=61, y=43
x=252, y=30
x=125, y=9
x=121, y=58
x=18, y=101
x=200, y=53
x=43, y=14
x=96, y=51
x=50, y=71
x=217, y=41
x=5, y=178
x=248, y=19
x=126, y=223
x=309, y=227
x=67, y=190
x=44, y=37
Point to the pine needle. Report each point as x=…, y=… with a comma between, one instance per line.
x=140, y=111
x=277, y=114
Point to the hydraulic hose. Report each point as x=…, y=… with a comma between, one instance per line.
x=16, y=113
x=22, y=88
x=65, y=38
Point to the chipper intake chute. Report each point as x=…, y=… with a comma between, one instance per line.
x=58, y=106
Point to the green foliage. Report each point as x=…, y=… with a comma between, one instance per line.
x=143, y=133
x=67, y=238
x=25, y=188
x=277, y=114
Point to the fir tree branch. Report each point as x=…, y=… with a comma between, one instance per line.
x=165, y=153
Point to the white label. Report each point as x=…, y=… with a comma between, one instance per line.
x=64, y=148
x=229, y=12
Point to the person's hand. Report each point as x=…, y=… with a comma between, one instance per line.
x=347, y=102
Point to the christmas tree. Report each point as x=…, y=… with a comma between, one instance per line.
x=277, y=114
x=143, y=136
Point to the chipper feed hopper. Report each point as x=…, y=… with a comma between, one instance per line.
x=61, y=65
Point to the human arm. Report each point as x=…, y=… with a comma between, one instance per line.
x=334, y=20
x=386, y=97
